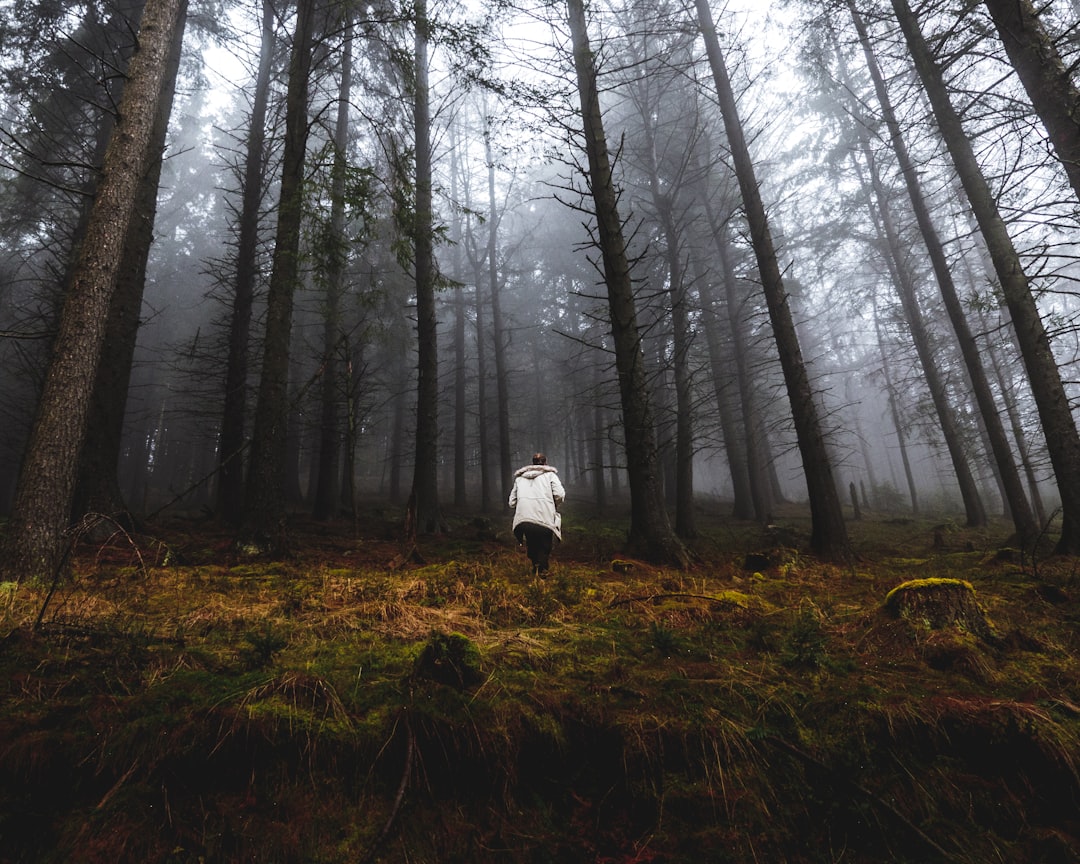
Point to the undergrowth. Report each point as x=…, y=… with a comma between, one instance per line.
x=354, y=703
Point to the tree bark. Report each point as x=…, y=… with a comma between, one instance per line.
x=35, y=543
x=265, y=502
x=650, y=528
x=1059, y=428
x=828, y=531
x=98, y=486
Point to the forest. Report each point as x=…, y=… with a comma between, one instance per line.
x=785, y=291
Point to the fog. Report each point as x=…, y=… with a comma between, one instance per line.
x=545, y=359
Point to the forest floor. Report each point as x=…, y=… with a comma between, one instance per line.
x=360, y=701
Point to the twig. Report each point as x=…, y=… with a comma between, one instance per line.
x=647, y=598
x=403, y=786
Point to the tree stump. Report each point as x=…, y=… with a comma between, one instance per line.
x=939, y=603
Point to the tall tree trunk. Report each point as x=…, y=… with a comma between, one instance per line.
x=761, y=498
x=828, y=531
x=498, y=328
x=650, y=528
x=1006, y=471
x=1059, y=428
x=425, y=516
x=723, y=383
x=896, y=261
x=327, y=490
x=482, y=401
x=266, y=484
x=35, y=542
x=460, y=377
x=230, y=498
x=894, y=412
x=680, y=329
x=98, y=486
x=1046, y=78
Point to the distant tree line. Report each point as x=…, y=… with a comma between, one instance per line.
x=406, y=244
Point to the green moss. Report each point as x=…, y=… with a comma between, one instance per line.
x=923, y=584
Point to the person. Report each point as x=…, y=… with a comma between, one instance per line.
x=536, y=498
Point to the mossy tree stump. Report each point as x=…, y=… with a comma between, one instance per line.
x=940, y=603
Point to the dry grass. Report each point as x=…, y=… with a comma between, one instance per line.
x=601, y=714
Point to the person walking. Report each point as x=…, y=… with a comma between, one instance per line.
x=536, y=497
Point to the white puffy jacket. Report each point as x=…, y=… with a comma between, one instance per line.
x=536, y=496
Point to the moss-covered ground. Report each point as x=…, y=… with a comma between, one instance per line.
x=360, y=701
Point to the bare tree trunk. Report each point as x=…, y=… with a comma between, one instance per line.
x=498, y=329
x=1016, y=501
x=761, y=498
x=230, y=499
x=889, y=239
x=98, y=487
x=1046, y=78
x=460, y=378
x=650, y=528
x=327, y=490
x=34, y=545
x=424, y=498
x=828, y=531
x=267, y=474
x=680, y=329
x=1059, y=428
x=894, y=412
x=723, y=382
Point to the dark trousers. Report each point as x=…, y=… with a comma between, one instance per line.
x=538, y=541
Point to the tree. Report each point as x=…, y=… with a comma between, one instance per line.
x=264, y=506
x=98, y=485
x=1045, y=76
x=828, y=531
x=230, y=496
x=1044, y=377
x=1016, y=500
x=424, y=512
x=34, y=546
x=499, y=333
x=335, y=249
x=650, y=527
x=901, y=274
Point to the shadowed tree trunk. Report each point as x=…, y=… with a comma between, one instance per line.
x=424, y=512
x=650, y=528
x=1059, y=428
x=230, y=498
x=264, y=507
x=1006, y=470
x=828, y=531
x=663, y=195
x=329, y=476
x=35, y=543
x=98, y=488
